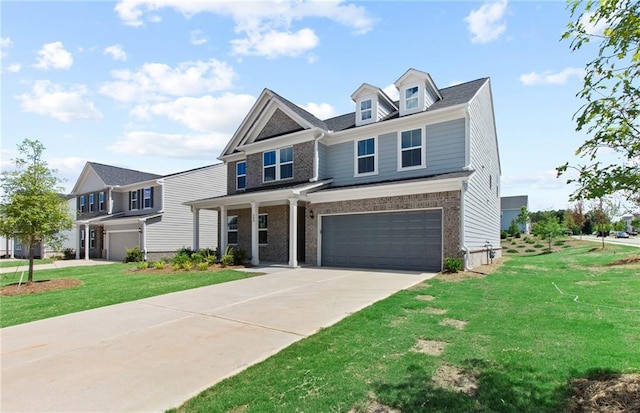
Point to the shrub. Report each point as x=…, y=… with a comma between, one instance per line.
x=240, y=256
x=69, y=254
x=202, y=266
x=227, y=257
x=504, y=234
x=529, y=250
x=133, y=255
x=452, y=265
x=143, y=265
x=538, y=246
x=159, y=265
x=185, y=251
x=558, y=243
x=176, y=267
x=516, y=235
x=197, y=258
x=211, y=259
x=180, y=259
x=512, y=251
x=187, y=265
x=514, y=230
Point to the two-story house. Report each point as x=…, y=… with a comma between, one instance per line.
x=119, y=208
x=394, y=184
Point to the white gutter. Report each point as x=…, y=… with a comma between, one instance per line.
x=467, y=140
x=316, y=159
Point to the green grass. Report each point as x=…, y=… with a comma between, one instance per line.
x=102, y=285
x=524, y=341
x=25, y=263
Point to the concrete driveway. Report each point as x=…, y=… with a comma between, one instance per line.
x=153, y=354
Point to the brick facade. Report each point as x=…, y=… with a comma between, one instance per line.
x=277, y=248
x=449, y=202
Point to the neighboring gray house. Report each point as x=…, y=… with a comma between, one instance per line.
x=394, y=184
x=510, y=207
x=120, y=208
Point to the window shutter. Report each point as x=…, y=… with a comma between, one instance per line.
x=151, y=197
x=140, y=199
x=129, y=200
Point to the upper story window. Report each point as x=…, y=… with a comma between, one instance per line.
x=83, y=205
x=92, y=202
x=366, y=110
x=101, y=201
x=365, y=159
x=263, y=223
x=147, y=197
x=133, y=200
x=232, y=230
x=277, y=164
x=241, y=175
x=412, y=152
x=411, y=98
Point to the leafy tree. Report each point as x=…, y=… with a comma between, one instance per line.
x=32, y=209
x=635, y=224
x=612, y=94
x=548, y=227
x=523, y=218
x=514, y=230
x=575, y=218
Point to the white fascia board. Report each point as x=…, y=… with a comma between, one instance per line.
x=238, y=156
x=387, y=190
x=414, y=121
x=253, y=113
x=137, y=185
x=280, y=141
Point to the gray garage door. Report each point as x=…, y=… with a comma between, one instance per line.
x=119, y=242
x=392, y=240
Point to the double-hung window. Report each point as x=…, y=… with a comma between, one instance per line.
x=411, y=98
x=82, y=239
x=232, y=230
x=133, y=200
x=83, y=207
x=147, y=195
x=277, y=164
x=262, y=229
x=241, y=175
x=92, y=238
x=365, y=110
x=92, y=202
x=365, y=159
x=101, y=201
x=411, y=149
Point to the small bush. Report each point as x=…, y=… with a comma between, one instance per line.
x=453, y=265
x=143, y=265
x=197, y=258
x=240, y=256
x=185, y=251
x=517, y=235
x=187, y=265
x=558, y=243
x=69, y=254
x=159, y=265
x=538, y=246
x=512, y=251
x=227, y=257
x=514, y=242
x=202, y=266
x=176, y=267
x=504, y=234
x=210, y=259
x=520, y=246
x=529, y=250
x=133, y=255
x=528, y=240
x=180, y=259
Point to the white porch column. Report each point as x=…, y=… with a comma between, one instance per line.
x=86, y=241
x=78, y=242
x=223, y=229
x=144, y=239
x=293, y=233
x=255, y=250
x=196, y=229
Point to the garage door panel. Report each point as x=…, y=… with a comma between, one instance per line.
x=392, y=240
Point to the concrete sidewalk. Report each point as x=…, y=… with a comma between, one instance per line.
x=54, y=265
x=154, y=354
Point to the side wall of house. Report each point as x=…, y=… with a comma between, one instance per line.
x=175, y=229
x=482, y=196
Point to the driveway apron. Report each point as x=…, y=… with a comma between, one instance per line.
x=154, y=354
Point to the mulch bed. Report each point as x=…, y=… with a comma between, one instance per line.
x=39, y=286
x=606, y=393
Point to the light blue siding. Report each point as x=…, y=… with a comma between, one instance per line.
x=445, y=153
x=508, y=216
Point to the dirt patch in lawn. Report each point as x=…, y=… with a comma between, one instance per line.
x=39, y=286
x=478, y=272
x=452, y=378
x=459, y=324
x=430, y=347
x=634, y=259
x=433, y=310
x=374, y=407
x=425, y=297
x=606, y=393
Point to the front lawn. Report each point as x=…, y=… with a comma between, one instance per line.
x=23, y=263
x=512, y=341
x=101, y=285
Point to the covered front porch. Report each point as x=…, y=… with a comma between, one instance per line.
x=269, y=224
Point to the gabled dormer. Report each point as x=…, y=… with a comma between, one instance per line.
x=372, y=104
x=417, y=92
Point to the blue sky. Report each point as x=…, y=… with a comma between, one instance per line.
x=163, y=88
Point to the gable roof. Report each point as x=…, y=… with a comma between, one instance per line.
x=301, y=112
x=116, y=176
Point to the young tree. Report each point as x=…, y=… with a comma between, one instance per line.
x=612, y=94
x=548, y=227
x=523, y=218
x=32, y=209
x=575, y=218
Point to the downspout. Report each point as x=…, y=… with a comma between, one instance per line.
x=316, y=159
x=110, y=201
x=465, y=248
x=161, y=183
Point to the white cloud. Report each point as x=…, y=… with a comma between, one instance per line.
x=392, y=92
x=198, y=38
x=53, y=55
x=116, y=51
x=5, y=43
x=155, y=81
x=320, y=110
x=219, y=115
x=148, y=143
x=590, y=27
x=272, y=44
x=486, y=23
x=540, y=180
x=260, y=23
x=14, y=68
x=53, y=100
x=71, y=164
x=550, y=78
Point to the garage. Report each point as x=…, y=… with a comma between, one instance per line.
x=408, y=240
x=119, y=242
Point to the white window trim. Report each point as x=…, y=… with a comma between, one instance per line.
x=375, y=157
x=374, y=111
x=92, y=202
x=404, y=99
x=245, y=174
x=423, y=148
x=92, y=239
x=278, y=164
x=137, y=201
x=83, y=203
x=82, y=240
x=232, y=230
x=263, y=229
x=144, y=198
x=101, y=204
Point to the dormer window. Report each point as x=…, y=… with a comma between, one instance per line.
x=365, y=110
x=411, y=98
